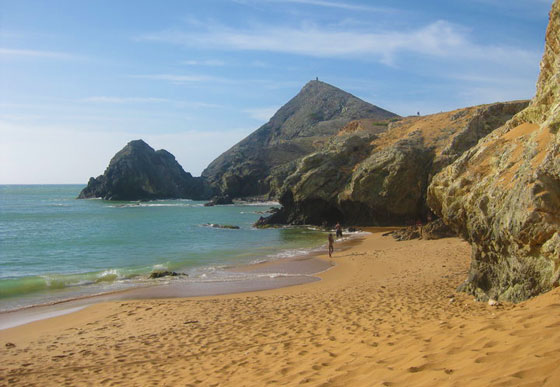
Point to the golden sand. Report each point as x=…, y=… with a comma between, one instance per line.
x=387, y=314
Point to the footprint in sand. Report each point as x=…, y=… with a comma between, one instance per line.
x=417, y=369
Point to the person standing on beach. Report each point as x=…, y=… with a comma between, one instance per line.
x=338, y=230
x=331, y=245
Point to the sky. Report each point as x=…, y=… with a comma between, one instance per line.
x=79, y=79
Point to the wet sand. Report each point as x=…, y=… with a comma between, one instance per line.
x=272, y=275
x=386, y=314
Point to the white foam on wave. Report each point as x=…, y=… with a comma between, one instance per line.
x=158, y=203
x=290, y=253
x=215, y=275
x=264, y=203
x=160, y=266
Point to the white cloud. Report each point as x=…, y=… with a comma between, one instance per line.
x=148, y=100
x=24, y=53
x=177, y=78
x=259, y=63
x=514, y=2
x=120, y=100
x=439, y=39
x=208, y=62
x=186, y=79
x=330, y=4
x=262, y=114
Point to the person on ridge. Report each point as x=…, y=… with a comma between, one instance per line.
x=338, y=230
x=331, y=245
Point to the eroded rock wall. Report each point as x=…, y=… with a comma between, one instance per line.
x=370, y=176
x=503, y=195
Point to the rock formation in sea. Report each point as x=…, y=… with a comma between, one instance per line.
x=219, y=200
x=503, y=195
x=377, y=173
x=138, y=172
x=257, y=165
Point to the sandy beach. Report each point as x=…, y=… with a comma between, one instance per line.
x=387, y=314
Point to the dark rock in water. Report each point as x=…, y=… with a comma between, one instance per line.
x=138, y=172
x=165, y=273
x=503, y=195
x=268, y=222
x=259, y=164
x=226, y=226
x=219, y=200
x=276, y=218
x=372, y=177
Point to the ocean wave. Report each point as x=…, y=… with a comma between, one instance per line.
x=109, y=276
x=46, y=282
x=142, y=205
x=264, y=203
x=234, y=276
x=160, y=267
x=290, y=253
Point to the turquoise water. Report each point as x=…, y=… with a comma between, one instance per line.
x=54, y=247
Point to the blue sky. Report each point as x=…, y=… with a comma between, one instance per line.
x=79, y=79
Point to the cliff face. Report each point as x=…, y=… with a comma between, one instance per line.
x=258, y=164
x=372, y=174
x=503, y=195
x=138, y=172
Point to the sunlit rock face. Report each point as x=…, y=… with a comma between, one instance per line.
x=503, y=195
x=377, y=173
x=258, y=165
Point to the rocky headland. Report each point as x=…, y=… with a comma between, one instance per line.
x=503, y=195
x=138, y=172
x=377, y=173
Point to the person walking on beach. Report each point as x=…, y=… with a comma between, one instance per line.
x=331, y=245
x=338, y=230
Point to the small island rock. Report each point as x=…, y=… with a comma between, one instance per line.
x=138, y=172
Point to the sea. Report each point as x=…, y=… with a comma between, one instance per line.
x=54, y=247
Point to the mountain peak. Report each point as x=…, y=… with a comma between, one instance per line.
x=317, y=112
x=319, y=87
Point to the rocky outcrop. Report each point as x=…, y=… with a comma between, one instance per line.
x=436, y=230
x=432, y=230
x=258, y=165
x=224, y=226
x=138, y=172
x=377, y=173
x=219, y=200
x=165, y=273
x=503, y=195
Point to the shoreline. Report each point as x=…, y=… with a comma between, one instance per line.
x=387, y=314
x=284, y=272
